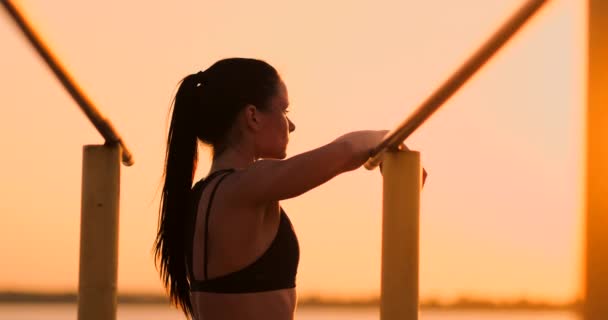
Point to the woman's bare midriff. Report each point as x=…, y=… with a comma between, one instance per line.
x=270, y=305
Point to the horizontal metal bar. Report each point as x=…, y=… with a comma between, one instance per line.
x=395, y=137
x=103, y=125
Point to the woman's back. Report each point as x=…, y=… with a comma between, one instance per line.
x=244, y=260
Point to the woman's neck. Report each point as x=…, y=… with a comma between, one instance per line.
x=233, y=158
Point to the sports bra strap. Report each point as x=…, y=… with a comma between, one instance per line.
x=207, y=218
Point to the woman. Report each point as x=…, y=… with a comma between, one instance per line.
x=226, y=248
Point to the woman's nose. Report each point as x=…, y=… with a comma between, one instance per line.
x=292, y=126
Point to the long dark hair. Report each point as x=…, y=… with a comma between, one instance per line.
x=205, y=107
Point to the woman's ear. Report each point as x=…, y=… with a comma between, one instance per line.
x=252, y=118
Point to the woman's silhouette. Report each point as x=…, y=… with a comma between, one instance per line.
x=225, y=247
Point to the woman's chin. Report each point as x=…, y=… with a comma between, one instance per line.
x=280, y=156
x=277, y=156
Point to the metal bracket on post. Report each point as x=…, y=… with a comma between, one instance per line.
x=402, y=182
x=99, y=232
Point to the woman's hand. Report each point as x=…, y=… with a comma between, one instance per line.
x=360, y=145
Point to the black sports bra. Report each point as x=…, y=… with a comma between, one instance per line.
x=275, y=269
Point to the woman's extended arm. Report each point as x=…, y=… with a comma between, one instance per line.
x=273, y=180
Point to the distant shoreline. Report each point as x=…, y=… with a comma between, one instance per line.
x=23, y=297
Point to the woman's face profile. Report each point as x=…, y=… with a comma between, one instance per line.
x=273, y=136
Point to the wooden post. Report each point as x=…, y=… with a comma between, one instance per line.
x=596, y=202
x=402, y=181
x=99, y=233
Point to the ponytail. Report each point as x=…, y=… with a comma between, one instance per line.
x=180, y=164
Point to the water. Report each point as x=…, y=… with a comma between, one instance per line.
x=159, y=312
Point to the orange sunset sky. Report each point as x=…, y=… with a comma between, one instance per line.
x=501, y=210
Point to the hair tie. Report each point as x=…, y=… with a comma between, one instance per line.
x=200, y=77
